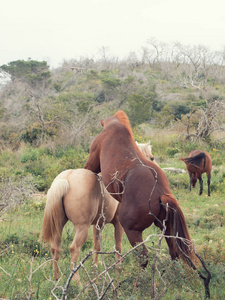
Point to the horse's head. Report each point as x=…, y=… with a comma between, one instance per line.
x=104, y=122
x=146, y=150
x=120, y=117
x=193, y=179
x=107, y=121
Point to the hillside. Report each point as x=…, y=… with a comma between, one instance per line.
x=63, y=105
x=48, y=119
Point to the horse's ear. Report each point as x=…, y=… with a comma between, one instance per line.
x=149, y=142
x=102, y=122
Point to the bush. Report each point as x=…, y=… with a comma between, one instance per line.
x=45, y=165
x=139, y=109
x=27, y=244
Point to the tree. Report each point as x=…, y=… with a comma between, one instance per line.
x=195, y=65
x=164, y=117
x=33, y=72
x=202, y=122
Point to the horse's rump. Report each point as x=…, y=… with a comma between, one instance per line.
x=196, y=160
x=141, y=196
x=77, y=195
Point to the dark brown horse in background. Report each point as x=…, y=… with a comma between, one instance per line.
x=140, y=185
x=197, y=163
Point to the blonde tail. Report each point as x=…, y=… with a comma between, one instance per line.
x=54, y=215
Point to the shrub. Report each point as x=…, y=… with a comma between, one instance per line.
x=139, y=109
x=111, y=82
x=212, y=218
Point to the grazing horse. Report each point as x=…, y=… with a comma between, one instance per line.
x=197, y=163
x=140, y=185
x=146, y=149
x=76, y=195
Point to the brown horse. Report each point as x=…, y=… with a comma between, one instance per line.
x=140, y=185
x=197, y=163
x=76, y=195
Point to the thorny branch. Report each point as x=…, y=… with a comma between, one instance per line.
x=118, y=261
x=115, y=179
x=102, y=216
x=153, y=288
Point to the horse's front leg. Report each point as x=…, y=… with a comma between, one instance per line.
x=118, y=234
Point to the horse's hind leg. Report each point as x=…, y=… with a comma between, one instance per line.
x=81, y=234
x=97, y=246
x=201, y=185
x=135, y=237
x=56, y=249
x=190, y=177
x=208, y=182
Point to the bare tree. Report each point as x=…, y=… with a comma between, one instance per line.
x=201, y=123
x=156, y=53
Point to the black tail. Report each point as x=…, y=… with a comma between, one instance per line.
x=195, y=160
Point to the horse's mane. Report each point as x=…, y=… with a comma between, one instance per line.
x=123, y=118
x=146, y=150
x=146, y=147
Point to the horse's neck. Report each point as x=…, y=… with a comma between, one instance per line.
x=123, y=119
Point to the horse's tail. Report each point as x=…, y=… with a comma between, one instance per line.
x=54, y=214
x=182, y=246
x=195, y=160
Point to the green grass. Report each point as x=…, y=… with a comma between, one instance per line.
x=21, y=254
x=26, y=269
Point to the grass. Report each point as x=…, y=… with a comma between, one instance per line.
x=26, y=268
x=21, y=254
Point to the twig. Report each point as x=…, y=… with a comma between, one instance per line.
x=5, y=272
x=95, y=288
x=119, y=260
x=153, y=288
x=74, y=270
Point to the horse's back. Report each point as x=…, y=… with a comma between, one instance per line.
x=83, y=201
x=83, y=197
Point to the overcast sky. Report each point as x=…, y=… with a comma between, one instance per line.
x=55, y=30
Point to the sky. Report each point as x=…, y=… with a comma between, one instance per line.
x=55, y=31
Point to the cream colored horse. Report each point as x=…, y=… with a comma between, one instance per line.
x=146, y=149
x=77, y=195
